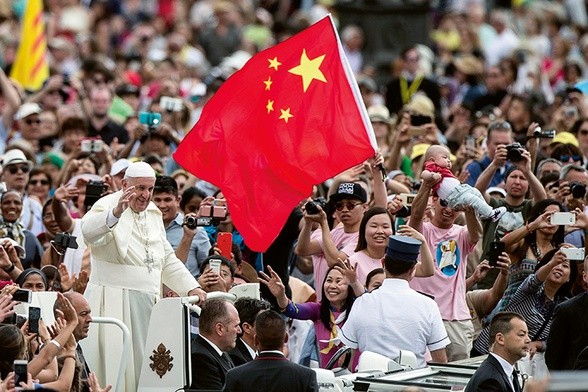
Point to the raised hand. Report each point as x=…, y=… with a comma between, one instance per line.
x=125, y=201
x=347, y=270
x=273, y=282
x=408, y=231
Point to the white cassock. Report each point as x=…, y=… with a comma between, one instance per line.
x=129, y=263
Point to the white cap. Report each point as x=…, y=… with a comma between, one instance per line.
x=139, y=169
x=495, y=189
x=20, y=251
x=119, y=166
x=15, y=156
x=26, y=109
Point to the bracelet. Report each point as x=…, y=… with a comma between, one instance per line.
x=69, y=356
x=56, y=343
x=9, y=269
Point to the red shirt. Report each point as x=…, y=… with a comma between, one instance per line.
x=434, y=168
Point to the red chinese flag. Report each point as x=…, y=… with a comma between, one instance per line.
x=291, y=118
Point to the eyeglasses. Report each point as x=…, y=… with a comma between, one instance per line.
x=37, y=182
x=566, y=158
x=583, y=132
x=13, y=169
x=30, y=121
x=340, y=205
x=499, y=125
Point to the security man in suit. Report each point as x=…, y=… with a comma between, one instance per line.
x=219, y=327
x=270, y=371
x=568, y=334
x=245, y=349
x=510, y=342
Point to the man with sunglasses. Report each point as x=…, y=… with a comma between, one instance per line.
x=325, y=247
x=28, y=123
x=450, y=244
x=16, y=176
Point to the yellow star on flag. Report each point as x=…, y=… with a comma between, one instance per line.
x=268, y=83
x=274, y=63
x=309, y=70
x=269, y=106
x=285, y=115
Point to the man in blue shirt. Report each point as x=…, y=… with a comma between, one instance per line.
x=191, y=245
x=499, y=134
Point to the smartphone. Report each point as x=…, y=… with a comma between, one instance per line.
x=418, y=120
x=416, y=131
x=21, y=370
x=407, y=199
x=573, y=253
x=170, y=104
x=224, y=243
x=34, y=317
x=215, y=265
x=563, y=218
x=94, y=191
x=471, y=142
x=496, y=249
x=91, y=144
x=21, y=295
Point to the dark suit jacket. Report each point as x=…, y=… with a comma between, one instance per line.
x=489, y=377
x=208, y=368
x=240, y=354
x=271, y=372
x=568, y=334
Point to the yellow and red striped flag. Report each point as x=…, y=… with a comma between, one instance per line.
x=30, y=67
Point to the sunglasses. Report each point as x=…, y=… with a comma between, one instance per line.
x=30, y=121
x=340, y=205
x=499, y=125
x=566, y=158
x=13, y=169
x=37, y=182
x=443, y=203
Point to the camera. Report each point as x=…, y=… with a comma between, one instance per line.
x=578, y=190
x=404, y=212
x=91, y=145
x=170, y=104
x=94, y=191
x=150, y=119
x=548, y=134
x=65, y=240
x=514, y=152
x=190, y=222
x=312, y=206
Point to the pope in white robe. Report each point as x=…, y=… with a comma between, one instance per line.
x=131, y=258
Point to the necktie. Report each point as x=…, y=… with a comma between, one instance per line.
x=227, y=360
x=515, y=381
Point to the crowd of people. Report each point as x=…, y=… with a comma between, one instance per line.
x=473, y=240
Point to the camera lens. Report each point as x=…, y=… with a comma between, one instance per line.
x=190, y=222
x=311, y=208
x=578, y=190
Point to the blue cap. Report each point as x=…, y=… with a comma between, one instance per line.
x=403, y=248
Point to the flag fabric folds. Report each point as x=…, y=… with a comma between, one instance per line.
x=30, y=67
x=291, y=118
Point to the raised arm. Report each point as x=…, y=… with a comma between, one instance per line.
x=426, y=266
x=486, y=176
x=419, y=204
x=473, y=224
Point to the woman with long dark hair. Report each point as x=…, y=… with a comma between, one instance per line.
x=528, y=244
x=328, y=314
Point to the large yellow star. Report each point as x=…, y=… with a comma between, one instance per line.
x=268, y=83
x=309, y=70
x=285, y=115
x=274, y=63
x=269, y=106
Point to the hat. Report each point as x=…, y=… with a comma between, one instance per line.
x=53, y=158
x=419, y=150
x=139, y=169
x=394, y=173
x=469, y=65
x=403, y=248
x=379, y=113
x=565, y=138
x=14, y=156
x=349, y=190
x=26, y=109
x=367, y=82
x=421, y=104
x=495, y=189
x=118, y=166
x=127, y=89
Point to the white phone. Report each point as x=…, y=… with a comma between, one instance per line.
x=563, y=218
x=407, y=198
x=215, y=265
x=573, y=253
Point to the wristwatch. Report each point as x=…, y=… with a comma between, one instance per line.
x=10, y=269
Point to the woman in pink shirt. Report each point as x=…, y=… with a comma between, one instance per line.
x=374, y=230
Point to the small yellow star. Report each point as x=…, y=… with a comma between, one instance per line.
x=309, y=69
x=268, y=83
x=269, y=106
x=285, y=115
x=274, y=63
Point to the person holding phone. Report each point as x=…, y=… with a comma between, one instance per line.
x=131, y=258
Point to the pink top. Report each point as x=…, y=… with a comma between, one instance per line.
x=450, y=249
x=364, y=264
x=341, y=239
